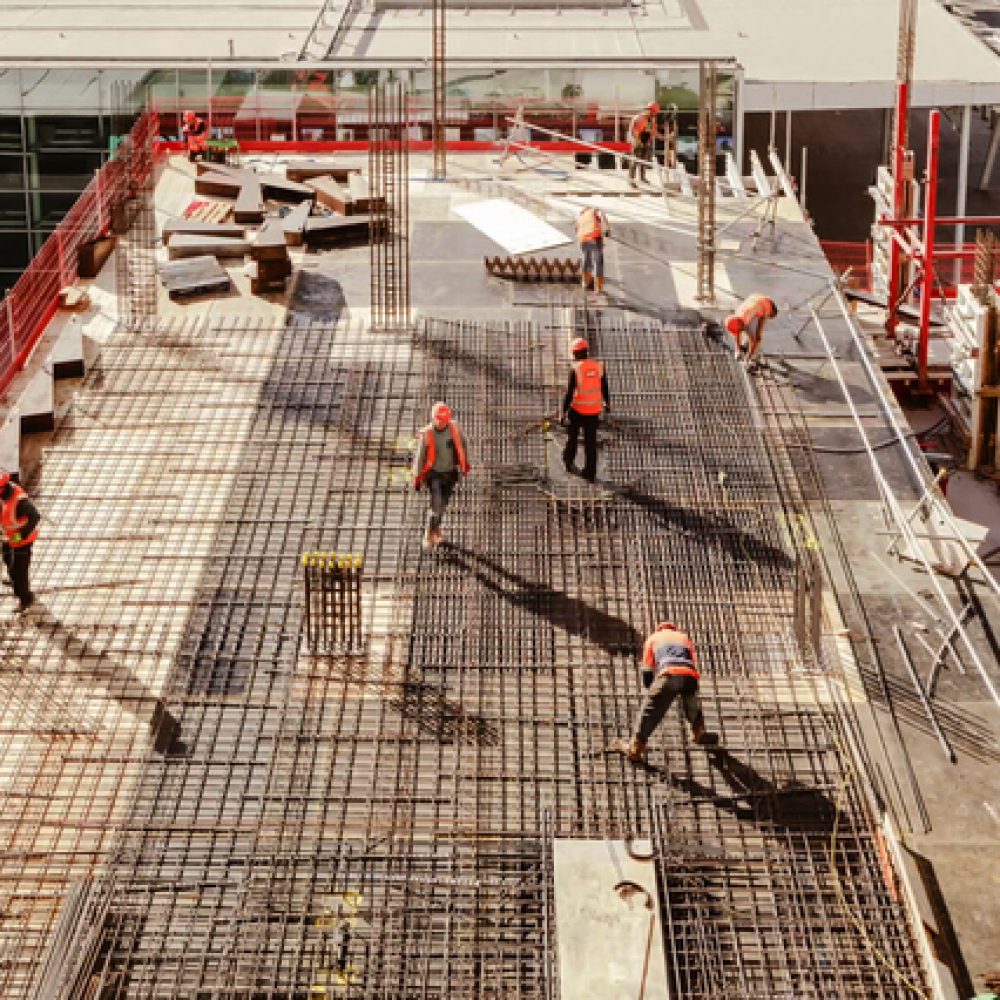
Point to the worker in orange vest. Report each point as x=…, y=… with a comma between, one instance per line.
x=19, y=522
x=586, y=398
x=669, y=669
x=439, y=459
x=750, y=317
x=195, y=135
x=643, y=129
x=591, y=228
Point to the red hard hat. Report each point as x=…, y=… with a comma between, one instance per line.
x=579, y=345
x=734, y=325
x=665, y=625
x=441, y=413
x=654, y=107
x=4, y=478
x=189, y=116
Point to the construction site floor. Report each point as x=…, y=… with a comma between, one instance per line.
x=195, y=805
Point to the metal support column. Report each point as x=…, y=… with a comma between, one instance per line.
x=930, y=218
x=963, y=185
x=438, y=85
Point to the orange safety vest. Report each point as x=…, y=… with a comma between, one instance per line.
x=195, y=135
x=588, y=399
x=641, y=123
x=10, y=522
x=430, y=452
x=754, y=306
x=669, y=651
x=588, y=225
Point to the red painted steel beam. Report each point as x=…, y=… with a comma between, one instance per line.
x=930, y=213
x=898, y=157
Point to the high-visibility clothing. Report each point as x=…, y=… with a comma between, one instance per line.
x=670, y=651
x=195, y=134
x=753, y=307
x=11, y=523
x=587, y=397
x=589, y=225
x=643, y=122
x=430, y=450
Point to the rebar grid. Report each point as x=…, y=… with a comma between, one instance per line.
x=389, y=196
x=707, y=107
x=378, y=824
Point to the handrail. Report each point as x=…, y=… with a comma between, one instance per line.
x=31, y=303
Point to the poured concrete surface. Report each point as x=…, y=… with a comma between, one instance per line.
x=608, y=923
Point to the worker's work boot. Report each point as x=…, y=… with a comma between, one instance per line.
x=634, y=749
x=428, y=540
x=698, y=732
x=437, y=536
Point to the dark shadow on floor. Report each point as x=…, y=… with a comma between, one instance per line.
x=612, y=634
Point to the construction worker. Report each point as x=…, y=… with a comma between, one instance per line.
x=591, y=228
x=586, y=397
x=195, y=135
x=439, y=459
x=643, y=129
x=750, y=317
x=669, y=669
x=19, y=522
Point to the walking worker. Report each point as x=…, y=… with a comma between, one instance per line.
x=591, y=228
x=669, y=669
x=643, y=129
x=195, y=132
x=19, y=522
x=586, y=397
x=439, y=459
x=750, y=317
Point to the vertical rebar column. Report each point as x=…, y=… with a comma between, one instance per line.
x=706, y=181
x=438, y=86
x=389, y=195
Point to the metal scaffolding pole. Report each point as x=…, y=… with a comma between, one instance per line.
x=439, y=84
x=389, y=193
x=706, y=182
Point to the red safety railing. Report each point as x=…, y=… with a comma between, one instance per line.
x=856, y=257
x=31, y=303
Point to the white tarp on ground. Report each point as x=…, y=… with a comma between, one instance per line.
x=514, y=228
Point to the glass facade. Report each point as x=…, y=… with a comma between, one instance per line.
x=56, y=126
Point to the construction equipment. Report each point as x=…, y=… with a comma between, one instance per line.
x=332, y=601
x=533, y=268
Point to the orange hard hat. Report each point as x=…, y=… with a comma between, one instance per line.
x=734, y=325
x=654, y=107
x=579, y=345
x=189, y=116
x=665, y=625
x=441, y=413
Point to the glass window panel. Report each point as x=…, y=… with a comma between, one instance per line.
x=13, y=212
x=64, y=171
x=10, y=132
x=49, y=207
x=11, y=172
x=14, y=251
x=64, y=132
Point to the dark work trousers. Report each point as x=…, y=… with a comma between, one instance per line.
x=17, y=561
x=588, y=424
x=439, y=486
x=660, y=697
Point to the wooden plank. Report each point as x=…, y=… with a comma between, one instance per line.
x=198, y=227
x=194, y=276
x=331, y=229
x=294, y=224
x=185, y=245
x=332, y=195
x=92, y=255
x=218, y=185
x=269, y=243
x=275, y=186
x=250, y=203
x=302, y=172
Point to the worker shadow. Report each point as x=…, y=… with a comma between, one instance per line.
x=439, y=717
x=450, y=353
x=106, y=674
x=570, y=614
x=739, y=545
x=754, y=798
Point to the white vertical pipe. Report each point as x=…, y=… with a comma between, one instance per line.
x=963, y=182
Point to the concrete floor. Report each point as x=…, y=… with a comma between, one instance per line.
x=651, y=262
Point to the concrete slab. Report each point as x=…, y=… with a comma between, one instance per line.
x=184, y=245
x=68, y=356
x=10, y=445
x=608, y=923
x=37, y=404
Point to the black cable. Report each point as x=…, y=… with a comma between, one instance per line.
x=881, y=444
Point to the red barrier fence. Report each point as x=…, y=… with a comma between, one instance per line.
x=31, y=303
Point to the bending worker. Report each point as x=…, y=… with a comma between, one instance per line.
x=19, y=521
x=586, y=396
x=437, y=462
x=669, y=669
x=195, y=135
x=591, y=228
x=643, y=129
x=750, y=317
